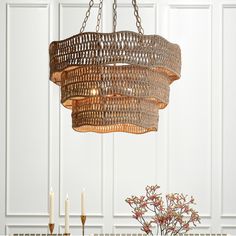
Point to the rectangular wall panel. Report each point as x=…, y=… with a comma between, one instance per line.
x=27, y=109
x=228, y=229
x=76, y=230
x=201, y=229
x=127, y=228
x=26, y=229
x=229, y=110
x=190, y=106
x=80, y=153
x=135, y=159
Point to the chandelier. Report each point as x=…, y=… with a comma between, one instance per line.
x=114, y=82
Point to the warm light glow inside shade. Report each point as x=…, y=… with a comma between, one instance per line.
x=114, y=82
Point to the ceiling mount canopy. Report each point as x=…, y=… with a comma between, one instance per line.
x=114, y=82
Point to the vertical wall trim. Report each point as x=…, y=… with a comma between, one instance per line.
x=100, y=214
x=8, y=6
x=223, y=7
x=207, y=7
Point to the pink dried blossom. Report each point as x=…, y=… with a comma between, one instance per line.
x=147, y=228
x=170, y=218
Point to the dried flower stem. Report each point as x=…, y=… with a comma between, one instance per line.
x=169, y=219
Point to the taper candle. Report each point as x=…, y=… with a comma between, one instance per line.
x=67, y=206
x=82, y=203
x=51, y=207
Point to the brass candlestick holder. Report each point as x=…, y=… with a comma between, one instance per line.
x=83, y=220
x=51, y=227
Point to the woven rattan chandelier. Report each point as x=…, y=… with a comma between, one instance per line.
x=114, y=82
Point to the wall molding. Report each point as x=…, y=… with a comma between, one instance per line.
x=228, y=5
x=228, y=226
x=122, y=226
x=101, y=213
x=23, y=5
x=75, y=5
x=142, y=4
x=200, y=6
x=8, y=226
x=91, y=226
x=189, y=6
x=117, y=226
x=202, y=216
x=224, y=5
x=227, y=216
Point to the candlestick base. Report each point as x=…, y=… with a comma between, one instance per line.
x=83, y=220
x=66, y=234
x=51, y=228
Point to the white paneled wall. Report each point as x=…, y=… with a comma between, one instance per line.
x=191, y=104
x=193, y=151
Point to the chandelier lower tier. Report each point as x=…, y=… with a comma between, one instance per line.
x=114, y=82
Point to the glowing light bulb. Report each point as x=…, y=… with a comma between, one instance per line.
x=93, y=92
x=129, y=90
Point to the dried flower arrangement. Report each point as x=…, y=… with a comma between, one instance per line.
x=175, y=216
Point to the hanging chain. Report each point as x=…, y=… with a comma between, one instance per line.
x=99, y=15
x=138, y=19
x=91, y=3
x=114, y=15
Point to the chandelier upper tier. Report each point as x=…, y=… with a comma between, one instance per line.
x=114, y=82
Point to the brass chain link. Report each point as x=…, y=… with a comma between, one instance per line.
x=99, y=15
x=114, y=15
x=138, y=19
x=91, y=3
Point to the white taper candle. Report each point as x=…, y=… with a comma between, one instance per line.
x=82, y=203
x=67, y=207
x=51, y=207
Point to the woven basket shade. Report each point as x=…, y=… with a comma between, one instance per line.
x=114, y=82
x=114, y=114
x=127, y=80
